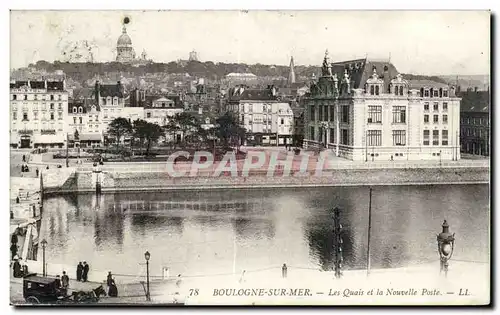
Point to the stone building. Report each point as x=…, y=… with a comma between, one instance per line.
x=475, y=122
x=124, y=50
x=83, y=120
x=265, y=118
x=365, y=110
x=38, y=114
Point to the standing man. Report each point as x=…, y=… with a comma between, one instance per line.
x=79, y=271
x=284, y=271
x=65, y=282
x=85, y=274
x=13, y=250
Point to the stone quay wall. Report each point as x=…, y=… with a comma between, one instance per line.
x=113, y=181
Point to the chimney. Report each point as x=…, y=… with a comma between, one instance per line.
x=97, y=91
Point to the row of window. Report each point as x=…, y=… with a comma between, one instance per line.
x=435, y=119
x=435, y=137
x=474, y=121
x=435, y=106
x=433, y=92
x=24, y=97
x=325, y=114
x=109, y=101
x=35, y=116
x=476, y=132
x=344, y=138
x=374, y=137
x=44, y=105
x=375, y=114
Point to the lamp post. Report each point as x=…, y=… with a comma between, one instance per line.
x=446, y=243
x=44, y=243
x=147, y=255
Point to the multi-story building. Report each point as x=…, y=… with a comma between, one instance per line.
x=161, y=110
x=83, y=120
x=111, y=100
x=366, y=111
x=475, y=122
x=266, y=119
x=38, y=114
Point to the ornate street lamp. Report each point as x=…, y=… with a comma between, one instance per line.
x=147, y=255
x=44, y=244
x=446, y=243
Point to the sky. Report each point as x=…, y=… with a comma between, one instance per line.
x=418, y=42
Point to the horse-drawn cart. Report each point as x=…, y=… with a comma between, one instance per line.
x=38, y=290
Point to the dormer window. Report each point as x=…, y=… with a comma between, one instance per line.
x=108, y=101
x=426, y=93
x=401, y=91
x=115, y=101
x=80, y=110
x=74, y=110
x=377, y=90
x=372, y=90
x=436, y=93
x=445, y=93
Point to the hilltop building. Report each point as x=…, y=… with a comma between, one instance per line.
x=125, y=52
x=365, y=110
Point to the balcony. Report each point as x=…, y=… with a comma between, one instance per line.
x=25, y=131
x=48, y=131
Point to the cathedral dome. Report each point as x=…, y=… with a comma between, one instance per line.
x=124, y=40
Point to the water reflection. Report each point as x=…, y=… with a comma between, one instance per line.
x=216, y=231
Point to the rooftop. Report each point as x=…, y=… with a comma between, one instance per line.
x=475, y=101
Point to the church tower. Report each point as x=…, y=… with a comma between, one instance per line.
x=124, y=50
x=291, y=75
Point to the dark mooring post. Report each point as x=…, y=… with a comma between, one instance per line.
x=368, y=263
x=337, y=232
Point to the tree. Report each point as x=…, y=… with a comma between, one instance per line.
x=228, y=130
x=118, y=128
x=186, y=122
x=137, y=132
x=149, y=132
x=172, y=128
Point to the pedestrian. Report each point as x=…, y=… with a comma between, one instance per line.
x=24, y=158
x=109, y=278
x=17, y=199
x=85, y=274
x=65, y=281
x=392, y=158
x=47, y=167
x=284, y=271
x=13, y=238
x=79, y=271
x=37, y=172
x=58, y=282
x=13, y=250
x=17, y=269
x=179, y=281
x=113, y=290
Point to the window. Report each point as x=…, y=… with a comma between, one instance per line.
x=51, y=116
x=435, y=137
x=445, y=119
x=345, y=136
x=250, y=108
x=399, y=114
x=445, y=106
x=74, y=110
x=436, y=106
x=445, y=93
x=25, y=97
x=332, y=112
x=426, y=137
x=25, y=116
x=312, y=113
x=426, y=118
x=35, y=115
x=374, y=138
x=51, y=105
x=59, y=97
x=80, y=109
x=374, y=114
x=444, y=137
x=399, y=137
x=426, y=93
x=326, y=112
x=372, y=90
x=345, y=114
x=115, y=101
x=59, y=106
x=426, y=106
x=81, y=120
x=14, y=97
x=332, y=135
x=312, y=132
x=436, y=119
x=395, y=90
x=320, y=113
x=51, y=97
x=148, y=115
x=60, y=116
x=377, y=92
x=35, y=97
x=74, y=120
x=282, y=121
x=401, y=91
x=436, y=93
x=14, y=115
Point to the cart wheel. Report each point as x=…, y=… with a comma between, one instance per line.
x=32, y=300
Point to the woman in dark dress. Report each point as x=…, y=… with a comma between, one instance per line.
x=79, y=271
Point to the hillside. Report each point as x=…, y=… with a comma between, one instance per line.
x=468, y=81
